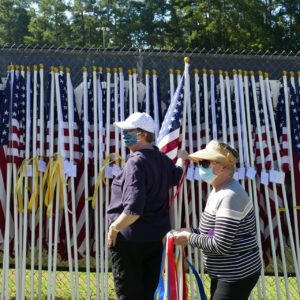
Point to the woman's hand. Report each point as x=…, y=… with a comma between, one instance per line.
x=112, y=236
x=181, y=238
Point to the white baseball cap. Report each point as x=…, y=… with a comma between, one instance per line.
x=137, y=120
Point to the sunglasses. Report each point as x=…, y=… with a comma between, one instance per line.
x=206, y=163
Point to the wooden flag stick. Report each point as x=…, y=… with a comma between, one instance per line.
x=172, y=89
x=86, y=179
x=229, y=108
x=107, y=152
x=101, y=202
x=198, y=134
x=50, y=207
x=96, y=159
x=147, y=83
x=71, y=110
x=130, y=92
x=27, y=154
x=34, y=179
x=41, y=189
x=155, y=101
x=122, y=107
x=135, y=91
x=223, y=106
x=262, y=155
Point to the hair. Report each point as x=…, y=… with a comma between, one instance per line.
x=231, y=150
x=149, y=135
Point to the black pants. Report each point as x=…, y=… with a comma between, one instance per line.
x=238, y=290
x=136, y=268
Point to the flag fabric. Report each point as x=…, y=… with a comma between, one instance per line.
x=282, y=130
x=168, y=137
x=4, y=127
x=295, y=135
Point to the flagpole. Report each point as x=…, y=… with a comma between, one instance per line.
x=291, y=163
x=183, y=146
x=16, y=227
x=253, y=192
x=27, y=154
x=71, y=123
x=155, y=101
x=206, y=113
x=238, y=121
x=86, y=179
x=191, y=167
x=262, y=155
x=51, y=150
x=147, y=82
x=41, y=189
x=174, y=205
x=223, y=107
x=135, y=96
x=130, y=92
x=229, y=109
x=101, y=150
x=5, y=263
x=107, y=152
x=95, y=154
x=34, y=181
x=172, y=90
x=122, y=107
x=198, y=134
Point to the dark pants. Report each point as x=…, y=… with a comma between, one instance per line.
x=136, y=268
x=238, y=290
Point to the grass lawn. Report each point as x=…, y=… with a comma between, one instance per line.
x=63, y=286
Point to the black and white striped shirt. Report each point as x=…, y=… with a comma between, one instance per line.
x=227, y=234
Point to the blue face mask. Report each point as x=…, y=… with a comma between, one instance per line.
x=207, y=174
x=129, y=138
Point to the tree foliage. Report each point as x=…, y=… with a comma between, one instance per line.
x=164, y=24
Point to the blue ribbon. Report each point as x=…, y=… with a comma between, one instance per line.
x=160, y=290
x=199, y=282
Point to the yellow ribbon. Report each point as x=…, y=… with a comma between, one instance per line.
x=55, y=178
x=101, y=177
x=22, y=173
x=34, y=195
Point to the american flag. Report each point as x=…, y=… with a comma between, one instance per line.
x=22, y=114
x=282, y=129
x=79, y=180
x=295, y=134
x=14, y=136
x=4, y=127
x=168, y=137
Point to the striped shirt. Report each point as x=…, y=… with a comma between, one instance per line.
x=227, y=234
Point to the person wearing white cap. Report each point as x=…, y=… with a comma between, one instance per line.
x=227, y=233
x=138, y=212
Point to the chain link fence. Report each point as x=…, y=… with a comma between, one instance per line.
x=142, y=60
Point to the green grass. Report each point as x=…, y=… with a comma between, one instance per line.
x=63, y=286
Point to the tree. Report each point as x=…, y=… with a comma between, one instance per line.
x=50, y=24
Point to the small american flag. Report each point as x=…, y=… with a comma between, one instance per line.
x=282, y=129
x=168, y=137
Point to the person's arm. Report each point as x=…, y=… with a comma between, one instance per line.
x=219, y=240
x=119, y=224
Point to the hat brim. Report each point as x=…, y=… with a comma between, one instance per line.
x=207, y=154
x=124, y=125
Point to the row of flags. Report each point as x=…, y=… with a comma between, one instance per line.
x=63, y=151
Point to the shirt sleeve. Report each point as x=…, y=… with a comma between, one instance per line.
x=133, y=194
x=227, y=223
x=176, y=172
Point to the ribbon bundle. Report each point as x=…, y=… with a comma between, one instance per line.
x=172, y=281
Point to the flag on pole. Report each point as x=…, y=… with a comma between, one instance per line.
x=168, y=137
